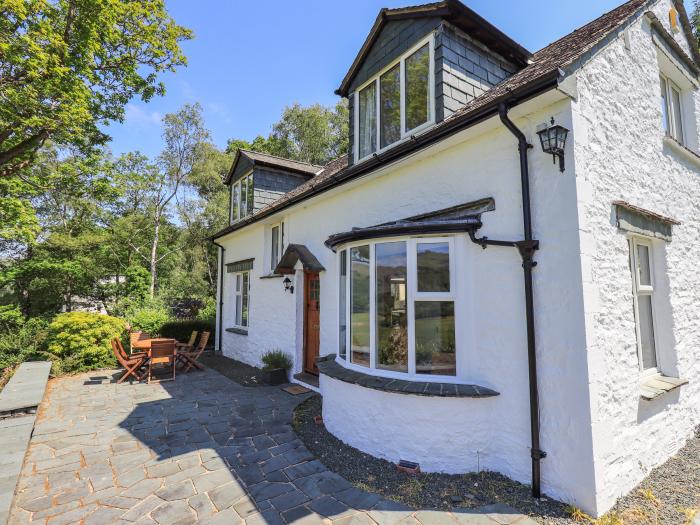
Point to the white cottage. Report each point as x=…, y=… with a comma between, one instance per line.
x=484, y=290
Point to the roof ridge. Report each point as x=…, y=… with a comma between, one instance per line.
x=278, y=157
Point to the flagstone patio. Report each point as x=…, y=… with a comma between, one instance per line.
x=202, y=449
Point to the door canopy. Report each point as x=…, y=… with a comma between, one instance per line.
x=298, y=253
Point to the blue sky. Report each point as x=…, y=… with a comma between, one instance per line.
x=250, y=59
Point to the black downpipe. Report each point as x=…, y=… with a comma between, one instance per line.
x=527, y=250
x=222, y=252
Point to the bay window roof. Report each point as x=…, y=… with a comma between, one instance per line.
x=460, y=218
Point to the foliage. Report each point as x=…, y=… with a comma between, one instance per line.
x=273, y=359
x=23, y=341
x=208, y=310
x=147, y=316
x=181, y=330
x=695, y=20
x=137, y=282
x=67, y=67
x=82, y=340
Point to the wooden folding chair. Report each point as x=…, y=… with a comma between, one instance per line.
x=189, y=359
x=120, y=347
x=131, y=365
x=187, y=347
x=162, y=354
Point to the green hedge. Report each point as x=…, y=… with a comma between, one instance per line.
x=181, y=330
x=81, y=340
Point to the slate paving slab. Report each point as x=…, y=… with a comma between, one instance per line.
x=202, y=449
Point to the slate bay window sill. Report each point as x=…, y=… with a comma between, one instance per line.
x=658, y=384
x=328, y=366
x=272, y=276
x=239, y=331
x=683, y=150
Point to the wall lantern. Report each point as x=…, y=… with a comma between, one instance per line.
x=553, y=139
x=288, y=286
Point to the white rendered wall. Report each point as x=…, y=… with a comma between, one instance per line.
x=620, y=154
x=481, y=162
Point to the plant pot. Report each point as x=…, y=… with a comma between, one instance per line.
x=274, y=376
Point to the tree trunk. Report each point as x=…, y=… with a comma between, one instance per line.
x=154, y=255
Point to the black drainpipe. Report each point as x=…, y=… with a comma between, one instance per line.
x=527, y=249
x=222, y=252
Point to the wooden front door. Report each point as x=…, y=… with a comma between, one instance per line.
x=312, y=309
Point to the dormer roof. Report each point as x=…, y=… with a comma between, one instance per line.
x=246, y=160
x=454, y=12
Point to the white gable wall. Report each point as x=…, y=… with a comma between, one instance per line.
x=620, y=154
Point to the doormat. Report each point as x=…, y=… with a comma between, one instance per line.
x=295, y=390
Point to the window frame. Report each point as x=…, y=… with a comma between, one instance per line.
x=239, y=293
x=672, y=87
x=280, y=245
x=248, y=178
x=412, y=296
x=638, y=290
x=405, y=134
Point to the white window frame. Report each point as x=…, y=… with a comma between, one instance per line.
x=405, y=134
x=672, y=86
x=238, y=281
x=638, y=290
x=412, y=296
x=280, y=245
x=248, y=178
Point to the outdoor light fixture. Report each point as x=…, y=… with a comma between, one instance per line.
x=288, y=286
x=553, y=139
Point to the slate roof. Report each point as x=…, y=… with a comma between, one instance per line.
x=548, y=65
x=265, y=159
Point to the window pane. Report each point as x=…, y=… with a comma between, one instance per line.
x=245, y=299
x=664, y=104
x=359, y=295
x=435, y=338
x=251, y=196
x=368, y=120
x=244, y=197
x=646, y=332
x=342, y=303
x=433, y=267
x=235, y=193
x=643, y=265
x=417, y=102
x=677, y=115
x=390, y=106
x=392, y=334
x=274, y=248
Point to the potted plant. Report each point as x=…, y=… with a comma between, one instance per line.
x=277, y=363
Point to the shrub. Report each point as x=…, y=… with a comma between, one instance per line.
x=181, y=330
x=81, y=340
x=148, y=316
x=276, y=359
x=24, y=341
x=208, y=310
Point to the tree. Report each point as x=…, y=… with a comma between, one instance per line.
x=695, y=21
x=67, y=66
x=157, y=185
x=314, y=134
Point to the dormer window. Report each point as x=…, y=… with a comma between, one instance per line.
x=396, y=103
x=242, y=198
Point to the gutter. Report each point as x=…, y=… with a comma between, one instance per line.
x=222, y=252
x=527, y=248
x=414, y=144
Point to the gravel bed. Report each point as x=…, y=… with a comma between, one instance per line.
x=424, y=491
x=670, y=494
x=241, y=373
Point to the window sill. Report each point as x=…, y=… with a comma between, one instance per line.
x=239, y=331
x=683, y=150
x=328, y=366
x=272, y=276
x=658, y=384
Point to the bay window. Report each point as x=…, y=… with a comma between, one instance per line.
x=402, y=306
x=396, y=103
